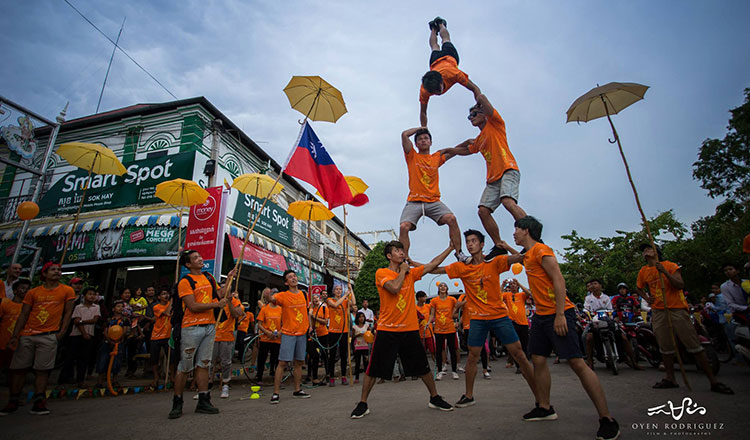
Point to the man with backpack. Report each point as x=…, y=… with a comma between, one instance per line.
x=196, y=303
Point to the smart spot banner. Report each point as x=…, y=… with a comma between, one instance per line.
x=136, y=187
x=274, y=222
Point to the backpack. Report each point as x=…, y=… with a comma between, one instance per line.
x=178, y=308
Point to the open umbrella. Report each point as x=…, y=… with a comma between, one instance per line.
x=95, y=158
x=182, y=193
x=604, y=101
x=315, y=98
x=258, y=185
x=309, y=210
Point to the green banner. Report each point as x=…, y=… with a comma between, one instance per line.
x=302, y=271
x=135, y=187
x=274, y=222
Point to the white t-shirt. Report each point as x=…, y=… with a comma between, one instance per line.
x=85, y=313
x=592, y=303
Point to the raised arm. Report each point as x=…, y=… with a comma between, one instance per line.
x=394, y=286
x=423, y=114
x=196, y=307
x=432, y=265
x=485, y=105
x=406, y=142
x=473, y=88
x=461, y=149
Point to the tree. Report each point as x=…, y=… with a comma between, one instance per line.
x=364, y=285
x=723, y=166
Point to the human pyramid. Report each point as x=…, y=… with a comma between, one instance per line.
x=553, y=325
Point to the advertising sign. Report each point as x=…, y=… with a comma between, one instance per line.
x=136, y=187
x=205, y=229
x=257, y=256
x=274, y=222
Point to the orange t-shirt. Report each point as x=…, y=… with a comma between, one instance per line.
x=465, y=313
x=9, y=312
x=270, y=318
x=746, y=244
x=320, y=313
x=423, y=176
x=516, y=305
x=294, y=319
x=225, y=329
x=444, y=314
x=482, y=283
x=245, y=323
x=448, y=68
x=493, y=144
x=649, y=276
x=47, y=307
x=425, y=330
x=162, y=326
x=203, y=294
x=338, y=323
x=540, y=284
x=398, y=313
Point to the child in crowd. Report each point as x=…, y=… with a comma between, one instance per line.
x=85, y=316
x=160, y=337
x=361, y=347
x=108, y=345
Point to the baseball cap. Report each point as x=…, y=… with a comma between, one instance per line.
x=76, y=280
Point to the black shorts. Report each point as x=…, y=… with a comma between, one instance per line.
x=448, y=49
x=157, y=345
x=407, y=345
x=542, y=337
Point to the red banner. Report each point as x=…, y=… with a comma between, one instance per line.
x=205, y=228
x=257, y=256
x=317, y=289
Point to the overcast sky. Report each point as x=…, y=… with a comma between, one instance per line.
x=531, y=59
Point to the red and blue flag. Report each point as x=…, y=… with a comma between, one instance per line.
x=309, y=161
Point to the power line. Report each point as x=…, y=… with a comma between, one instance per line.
x=121, y=49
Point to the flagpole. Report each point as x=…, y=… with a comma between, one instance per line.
x=348, y=284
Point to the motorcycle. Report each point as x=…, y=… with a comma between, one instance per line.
x=715, y=332
x=605, y=350
x=742, y=337
x=642, y=337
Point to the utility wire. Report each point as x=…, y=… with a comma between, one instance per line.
x=121, y=49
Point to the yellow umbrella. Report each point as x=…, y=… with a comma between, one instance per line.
x=182, y=193
x=309, y=210
x=356, y=186
x=94, y=158
x=604, y=101
x=261, y=186
x=315, y=98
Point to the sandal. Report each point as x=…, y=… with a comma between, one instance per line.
x=664, y=383
x=720, y=388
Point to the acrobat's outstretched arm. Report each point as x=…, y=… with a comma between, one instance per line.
x=423, y=114
x=485, y=105
x=461, y=149
x=474, y=89
x=405, y=141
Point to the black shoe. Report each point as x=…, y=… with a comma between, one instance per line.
x=464, y=401
x=518, y=370
x=39, y=408
x=494, y=252
x=300, y=395
x=10, y=408
x=720, y=388
x=433, y=26
x=274, y=399
x=176, y=412
x=608, y=429
x=204, y=404
x=438, y=402
x=538, y=414
x=438, y=21
x=360, y=410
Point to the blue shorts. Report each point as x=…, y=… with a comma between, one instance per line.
x=292, y=348
x=542, y=337
x=501, y=327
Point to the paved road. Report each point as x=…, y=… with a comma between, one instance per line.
x=399, y=411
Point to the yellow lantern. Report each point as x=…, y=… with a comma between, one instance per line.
x=27, y=210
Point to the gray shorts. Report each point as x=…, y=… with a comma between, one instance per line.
x=413, y=211
x=506, y=186
x=292, y=348
x=223, y=350
x=197, y=342
x=37, y=351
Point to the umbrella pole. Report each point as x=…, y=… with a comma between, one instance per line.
x=653, y=244
x=78, y=213
x=179, y=243
x=348, y=313
x=309, y=257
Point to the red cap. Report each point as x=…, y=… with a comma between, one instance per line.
x=76, y=280
x=49, y=264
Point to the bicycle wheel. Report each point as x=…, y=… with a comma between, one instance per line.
x=247, y=357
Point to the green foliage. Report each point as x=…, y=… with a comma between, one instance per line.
x=364, y=286
x=723, y=166
x=613, y=259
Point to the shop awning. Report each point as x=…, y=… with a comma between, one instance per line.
x=268, y=245
x=98, y=225
x=258, y=257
